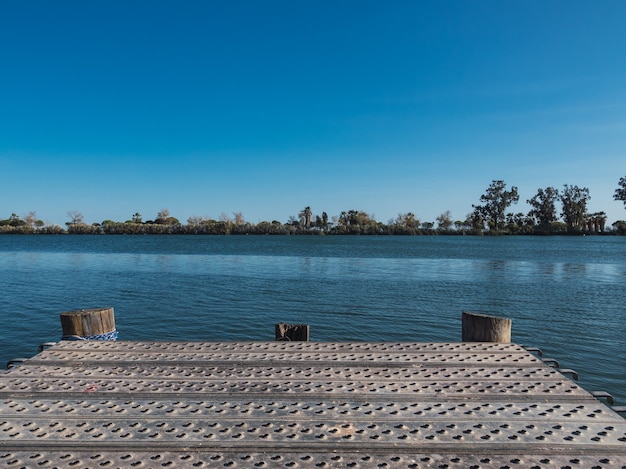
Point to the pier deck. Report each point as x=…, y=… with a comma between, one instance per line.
x=300, y=405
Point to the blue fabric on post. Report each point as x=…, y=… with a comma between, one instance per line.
x=108, y=336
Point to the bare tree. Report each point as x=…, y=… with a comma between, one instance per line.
x=31, y=219
x=76, y=218
x=239, y=220
x=162, y=216
x=195, y=220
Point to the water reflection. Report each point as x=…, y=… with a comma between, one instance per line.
x=574, y=269
x=496, y=264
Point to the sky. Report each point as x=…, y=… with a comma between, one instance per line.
x=205, y=108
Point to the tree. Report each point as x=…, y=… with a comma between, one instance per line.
x=15, y=220
x=162, y=216
x=574, y=205
x=324, y=220
x=31, y=219
x=239, y=219
x=305, y=217
x=620, y=192
x=137, y=218
x=356, y=222
x=620, y=227
x=195, y=220
x=518, y=223
x=407, y=220
x=76, y=218
x=543, y=205
x=475, y=222
x=444, y=221
x=596, y=222
x=496, y=200
x=404, y=224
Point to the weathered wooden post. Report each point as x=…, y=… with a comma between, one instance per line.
x=482, y=328
x=287, y=332
x=89, y=324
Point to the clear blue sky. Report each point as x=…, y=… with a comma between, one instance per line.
x=264, y=107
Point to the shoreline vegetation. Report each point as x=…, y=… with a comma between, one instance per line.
x=490, y=217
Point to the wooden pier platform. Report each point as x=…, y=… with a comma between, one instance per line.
x=124, y=404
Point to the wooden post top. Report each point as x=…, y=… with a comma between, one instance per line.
x=88, y=322
x=483, y=328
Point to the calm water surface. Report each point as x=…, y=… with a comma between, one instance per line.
x=566, y=295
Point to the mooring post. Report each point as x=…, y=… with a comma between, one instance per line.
x=89, y=324
x=482, y=328
x=297, y=332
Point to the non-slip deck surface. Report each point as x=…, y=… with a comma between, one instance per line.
x=300, y=405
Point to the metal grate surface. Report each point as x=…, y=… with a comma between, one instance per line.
x=415, y=372
x=281, y=347
x=269, y=404
x=300, y=460
x=52, y=356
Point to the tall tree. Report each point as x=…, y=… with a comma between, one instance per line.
x=324, y=220
x=495, y=202
x=574, y=205
x=543, y=205
x=620, y=192
x=305, y=217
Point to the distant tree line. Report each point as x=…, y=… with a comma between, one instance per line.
x=553, y=211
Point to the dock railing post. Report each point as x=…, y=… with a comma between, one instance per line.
x=289, y=332
x=89, y=324
x=482, y=328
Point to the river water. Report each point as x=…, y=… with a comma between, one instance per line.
x=565, y=295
